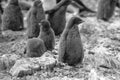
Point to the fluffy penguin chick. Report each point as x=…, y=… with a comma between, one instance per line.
x=70, y=47
x=47, y=35
x=106, y=9
x=35, y=15
x=35, y=47
x=12, y=18
x=57, y=16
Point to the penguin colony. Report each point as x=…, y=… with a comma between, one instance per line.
x=41, y=30
x=55, y=24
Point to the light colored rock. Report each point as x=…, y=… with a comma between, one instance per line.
x=48, y=4
x=26, y=66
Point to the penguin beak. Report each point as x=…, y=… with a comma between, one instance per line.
x=82, y=21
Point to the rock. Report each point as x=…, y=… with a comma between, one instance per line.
x=93, y=75
x=27, y=66
x=48, y=4
x=7, y=61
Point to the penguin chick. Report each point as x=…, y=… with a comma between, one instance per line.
x=35, y=47
x=12, y=18
x=35, y=15
x=106, y=9
x=47, y=35
x=57, y=16
x=70, y=46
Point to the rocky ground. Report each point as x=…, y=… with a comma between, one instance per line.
x=101, y=41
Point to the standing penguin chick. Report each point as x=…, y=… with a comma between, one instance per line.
x=106, y=9
x=35, y=47
x=57, y=16
x=47, y=35
x=70, y=47
x=12, y=17
x=35, y=15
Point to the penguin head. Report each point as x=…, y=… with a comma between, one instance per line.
x=37, y=3
x=74, y=20
x=45, y=25
x=14, y=2
x=77, y=20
